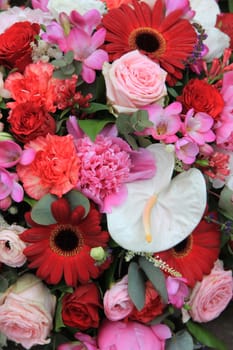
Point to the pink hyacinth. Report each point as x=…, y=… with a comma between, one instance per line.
x=107, y=164
x=198, y=127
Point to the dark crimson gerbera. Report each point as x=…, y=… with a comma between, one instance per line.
x=168, y=40
x=195, y=256
x=63, y=248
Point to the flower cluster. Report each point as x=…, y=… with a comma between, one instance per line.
x=116, y=173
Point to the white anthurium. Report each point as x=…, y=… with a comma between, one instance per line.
x=160, y=212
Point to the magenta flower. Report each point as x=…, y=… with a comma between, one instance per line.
x=107, y=164
x=166, y=121
x=177, y=290
x=198, y=127
x=40, y=4
x=77, y=33
x=84, y=342
x=9, y=188
x=11, y=154
x=186, y=150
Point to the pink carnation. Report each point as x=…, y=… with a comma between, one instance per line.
x=55, y=168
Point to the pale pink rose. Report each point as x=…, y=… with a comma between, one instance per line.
x=134, y=81
x=26, y=312
x=212, y=295
x=117, y=303
x=11, y=246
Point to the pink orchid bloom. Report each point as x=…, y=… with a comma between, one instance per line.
x=11, y=154
x=40, y=4
x=76, y=33
x=107, y=164
x=9, y=187
x=166, y=121
x=177, y=290
x=186, y=150
x=198, y=127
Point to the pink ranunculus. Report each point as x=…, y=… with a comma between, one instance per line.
x=26, y=312
x=117, y=303
x=177, y=290
x=132, y=335
x=134, y=81
x=212, y=295
x=11, y=246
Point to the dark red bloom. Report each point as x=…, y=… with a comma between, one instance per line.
x=195, y=256
x=15, y=45
x=80, y=309
x=63, y=248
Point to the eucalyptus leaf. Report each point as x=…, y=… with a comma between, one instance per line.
x=92, y=127
x=76, y=198
x=68, y=70
x=136, y=285
x=225, y=203
x=156, y=276
x=204, y=336
x=182, y=340
x=140, y=120
x=41, y=211
x=3, y=284
x=3, y=340
x=69, y=57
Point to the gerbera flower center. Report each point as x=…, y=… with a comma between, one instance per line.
x=148, y=40
x=66, y=240
x=183, y=248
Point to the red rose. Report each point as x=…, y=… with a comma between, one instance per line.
x=15, y=45
x=80, y=309
x=225, y=24
x=202, y=97
x=152, y=308
x=29, y=120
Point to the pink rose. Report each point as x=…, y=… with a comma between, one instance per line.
x=212, y=295
x=134, y=81
x=132, y=335
x=11, y=246
x=26, y=312
x=177, y=290
x=117, y=303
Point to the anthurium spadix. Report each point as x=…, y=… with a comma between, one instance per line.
x=160, y=212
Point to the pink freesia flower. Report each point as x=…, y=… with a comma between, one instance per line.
x=132, y=335
x=76, y=33
x=186, y=150
x=177, y=290
x=9, y=187
x=11, y=154
x=198, y=127
x=107, y=164
x=166, y=121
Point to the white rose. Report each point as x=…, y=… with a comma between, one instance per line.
x=81, y=6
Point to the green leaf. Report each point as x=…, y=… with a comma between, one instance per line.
x=69, y=57
x=225, y=203
x=230, y=5
x=204, y=336
x=41, y=212
x=182, y=340
x=92, y=127
x=140, y=120
x=156, y=276
x=58, y=315
x=3, y=284
x=136, y=285
x=95, y=107
x=76, y=198
x=68, y=70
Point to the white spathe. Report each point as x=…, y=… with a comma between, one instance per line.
x=179, y=207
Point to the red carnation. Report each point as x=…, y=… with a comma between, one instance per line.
x=202, y=97
x=15, y=45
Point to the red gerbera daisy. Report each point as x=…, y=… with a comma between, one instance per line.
x=195, y=256
x=63, y=248
x=168, y=40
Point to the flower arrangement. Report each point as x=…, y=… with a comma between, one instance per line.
x=116, y=168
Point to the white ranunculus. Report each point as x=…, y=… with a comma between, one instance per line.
x=81, y=6
x=206, y=14
x=170, y=208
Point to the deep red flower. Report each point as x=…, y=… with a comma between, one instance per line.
x=15, y=45
x=195, y=256
x=168, y=40
x=63, y=248
x=202, y=97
